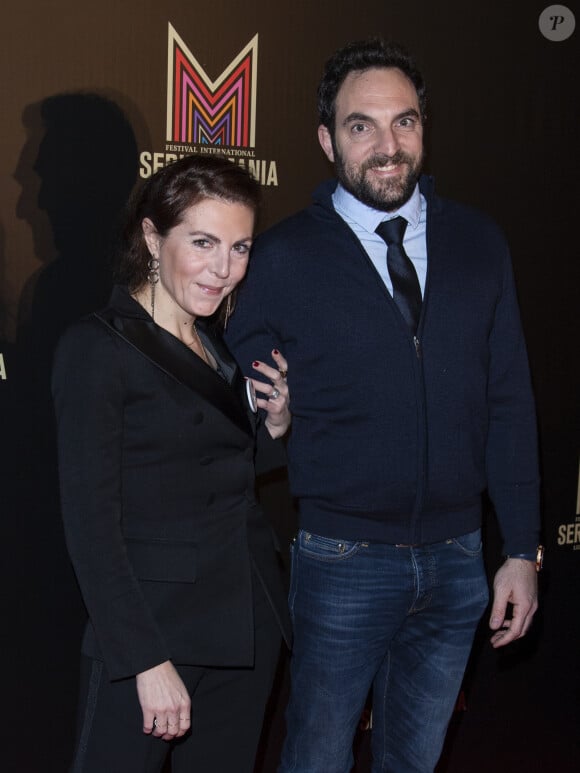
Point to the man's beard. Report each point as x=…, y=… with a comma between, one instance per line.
x=385, y=195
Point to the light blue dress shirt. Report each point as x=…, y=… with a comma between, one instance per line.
x=363, y=220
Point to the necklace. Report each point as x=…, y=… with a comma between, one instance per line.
x=198, y=340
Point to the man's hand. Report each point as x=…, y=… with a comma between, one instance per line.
x=515, y=583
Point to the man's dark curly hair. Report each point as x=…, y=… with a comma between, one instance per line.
x=357, y=57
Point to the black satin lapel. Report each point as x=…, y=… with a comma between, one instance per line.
x=167, y=353
x=217, y=346
x=228, y=365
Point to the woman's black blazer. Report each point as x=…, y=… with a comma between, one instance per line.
x=156, y=454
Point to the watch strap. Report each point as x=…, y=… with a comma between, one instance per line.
x=537, y=557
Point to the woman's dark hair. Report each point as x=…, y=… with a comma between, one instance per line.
x=164, y=197
x=357, y=57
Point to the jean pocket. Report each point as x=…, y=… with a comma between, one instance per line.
x=470, y=544
x=325, y=548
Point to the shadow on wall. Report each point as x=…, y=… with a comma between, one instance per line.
x=7, y=353
x=76, y=171
x=3, y=304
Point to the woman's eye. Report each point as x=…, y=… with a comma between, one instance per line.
x=241, y=249
x=201, y=243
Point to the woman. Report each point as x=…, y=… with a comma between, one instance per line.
x=156, y=434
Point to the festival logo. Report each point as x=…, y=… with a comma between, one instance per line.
x=569, y=533
x=205, y=112
x=211, y=116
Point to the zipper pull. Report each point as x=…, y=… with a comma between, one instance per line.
x=417, y=347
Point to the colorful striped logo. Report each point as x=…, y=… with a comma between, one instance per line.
x=206, y=112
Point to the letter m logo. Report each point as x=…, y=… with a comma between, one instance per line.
x=206, y=112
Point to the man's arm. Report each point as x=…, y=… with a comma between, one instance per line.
x=512, y=468
x=249, y=334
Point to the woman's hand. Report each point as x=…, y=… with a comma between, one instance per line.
x=164, y=701
x=276, y=402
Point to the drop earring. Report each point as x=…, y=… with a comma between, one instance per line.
x=228, y=313
x=153, y=277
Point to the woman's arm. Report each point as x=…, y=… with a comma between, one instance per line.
x=89, y=388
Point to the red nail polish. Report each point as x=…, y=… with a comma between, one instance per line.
x=255, y=364
x=275, y=351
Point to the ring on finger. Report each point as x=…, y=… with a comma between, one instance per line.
x=274, y=393
x=283, y=372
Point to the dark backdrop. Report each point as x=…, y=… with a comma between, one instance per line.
x=84, y=97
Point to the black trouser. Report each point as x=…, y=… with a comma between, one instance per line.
x=227, y=711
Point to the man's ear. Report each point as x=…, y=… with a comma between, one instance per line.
x=326, y=142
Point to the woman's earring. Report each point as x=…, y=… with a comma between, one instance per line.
x=228, y=313
x=153, y=277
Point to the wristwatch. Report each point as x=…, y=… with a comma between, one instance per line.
x=537, y=557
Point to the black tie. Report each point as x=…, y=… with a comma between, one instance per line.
x=406, y=289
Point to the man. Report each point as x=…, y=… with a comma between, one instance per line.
x=410, y=396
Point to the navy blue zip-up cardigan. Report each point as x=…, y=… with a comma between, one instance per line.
x=395, y=439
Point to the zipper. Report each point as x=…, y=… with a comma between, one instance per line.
x=417, y=347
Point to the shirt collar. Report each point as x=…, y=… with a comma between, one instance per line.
x=368, y=218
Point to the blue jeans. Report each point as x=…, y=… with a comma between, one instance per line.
x=398, y=619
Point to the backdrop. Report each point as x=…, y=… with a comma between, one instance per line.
x=96, y=95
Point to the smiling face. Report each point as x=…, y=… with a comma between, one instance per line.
x=201, y=259
x=377, y=145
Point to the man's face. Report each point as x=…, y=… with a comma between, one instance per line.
x=377, y=146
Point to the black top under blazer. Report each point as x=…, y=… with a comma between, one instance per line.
x=156, y=465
